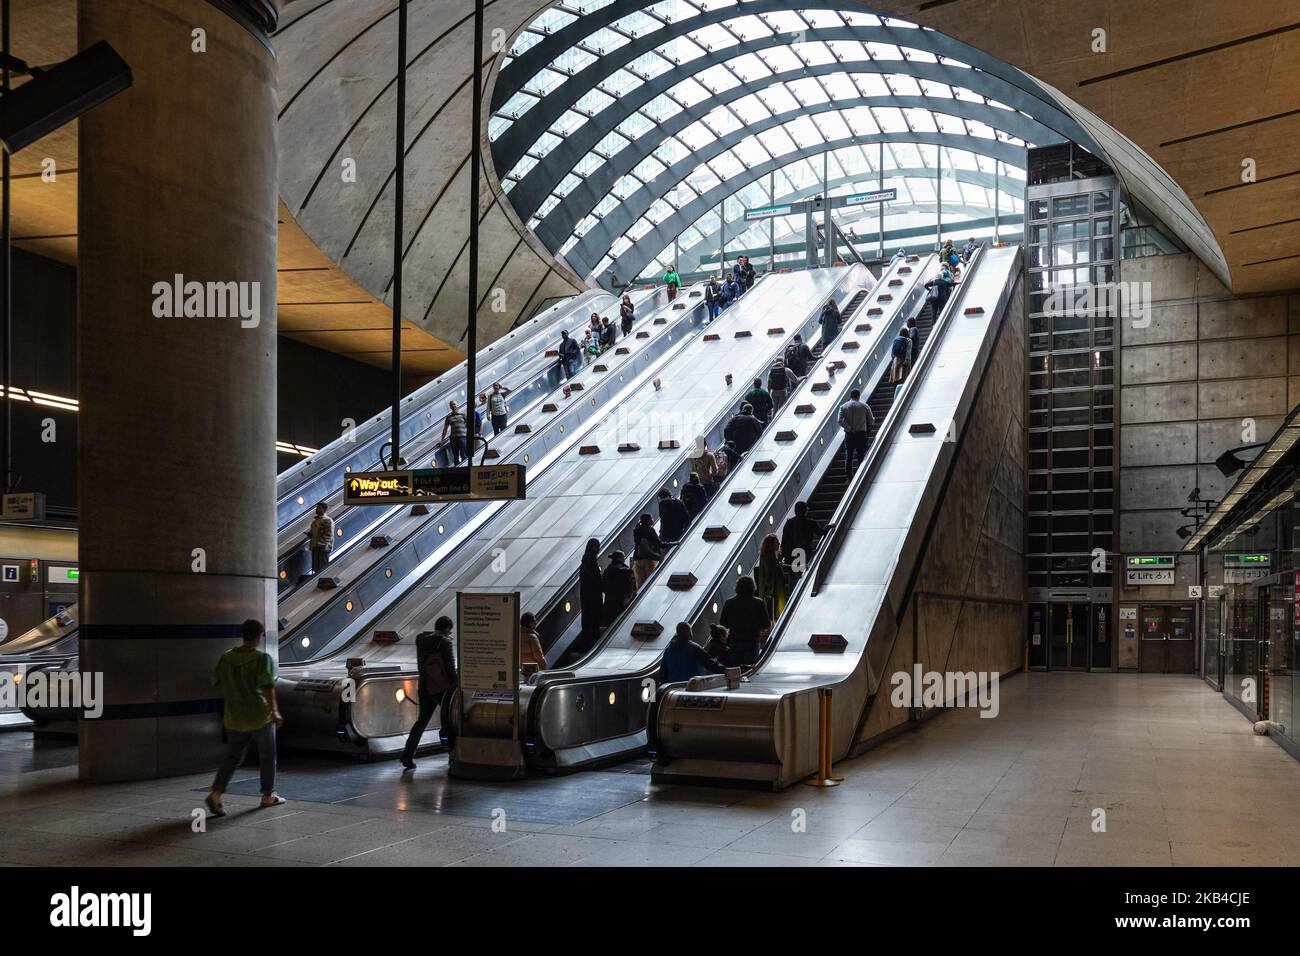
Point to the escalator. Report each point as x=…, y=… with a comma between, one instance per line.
x=842, y=623
x=595, y=711
x=520, y=359
x=599, y=484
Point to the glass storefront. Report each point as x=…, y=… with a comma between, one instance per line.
x=1253, y=574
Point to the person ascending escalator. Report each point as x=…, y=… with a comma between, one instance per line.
x=746, y=620
x=619, y=586
x=769, y=577
x=684, y=659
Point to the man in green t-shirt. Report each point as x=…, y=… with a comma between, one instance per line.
x=246, y=677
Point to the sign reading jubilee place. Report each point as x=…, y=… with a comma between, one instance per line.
x=475, y=483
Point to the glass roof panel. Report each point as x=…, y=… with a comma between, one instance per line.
x=638, y=151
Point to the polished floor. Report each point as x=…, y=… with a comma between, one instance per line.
x=1077, y=770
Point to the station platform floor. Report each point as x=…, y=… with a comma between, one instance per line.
x=1180, y=776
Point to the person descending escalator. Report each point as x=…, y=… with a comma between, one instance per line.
x=626, y=315
x=694, y=496
x=674, y=517
x=713, y=298
x=745, y=617
x=595, y=327
x=760, y=400
x=619, y=586
x=498, y=409
x=458, y=444
x=570, y=355
x=649, y=550
x=747, y=273
x=607, y=333
x=591, y=593
x=673, y=281
x=684, y=659
x=437, y=664
x=968, y=250
x=320, y=538
x=830, y=321
x=733, y=289
x=900, y=254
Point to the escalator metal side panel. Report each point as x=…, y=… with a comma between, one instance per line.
x=857, y=597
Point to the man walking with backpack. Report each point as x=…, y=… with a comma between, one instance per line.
x=438, y=679
x=798, y=356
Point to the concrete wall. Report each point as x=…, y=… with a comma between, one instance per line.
x=968, y=608
x=1209, y=372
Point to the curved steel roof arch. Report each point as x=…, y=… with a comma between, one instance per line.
x=595, y=243
x=556, y=227
x=570, y=151
x=513, y=142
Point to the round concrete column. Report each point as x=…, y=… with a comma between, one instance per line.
x=177, y=185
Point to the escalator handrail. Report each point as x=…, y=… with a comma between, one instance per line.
x=622, y=615
x=862, y=479
x=757, y=519
x=810, y=581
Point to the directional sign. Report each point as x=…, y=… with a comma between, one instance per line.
x=862, y=199
x=770, y=212
x=475, y=483
x=1150, y=560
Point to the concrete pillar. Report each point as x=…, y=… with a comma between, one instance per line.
x=177, y=438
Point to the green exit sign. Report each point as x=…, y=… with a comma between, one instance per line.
x=1260, y=560
x=1150, y=560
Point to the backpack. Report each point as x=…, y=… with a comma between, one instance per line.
x=433, y=672
x=721, y=462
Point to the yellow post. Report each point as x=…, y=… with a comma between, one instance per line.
x=824, y=777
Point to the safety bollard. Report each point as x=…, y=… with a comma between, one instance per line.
x=825, y=772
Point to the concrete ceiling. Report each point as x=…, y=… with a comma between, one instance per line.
x=319, y=304
x=1198, y=85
